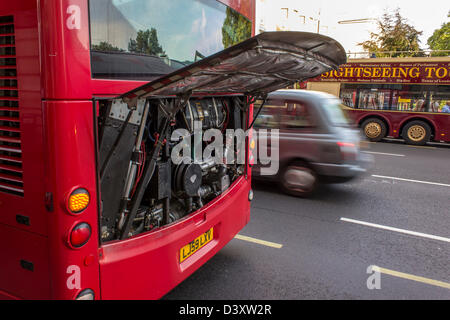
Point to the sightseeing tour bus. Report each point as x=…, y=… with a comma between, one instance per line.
x=405, y=98
x=91, y=93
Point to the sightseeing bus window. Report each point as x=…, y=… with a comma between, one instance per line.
x=348, y=97
x=438, y=101
x=413, y=99
x=146, y=39
x=397, y=97
x=374, y=99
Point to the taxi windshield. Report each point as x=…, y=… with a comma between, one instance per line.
x=335, y=114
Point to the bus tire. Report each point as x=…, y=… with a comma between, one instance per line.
x=374, y=129
x=298, y=179
x=416, y=133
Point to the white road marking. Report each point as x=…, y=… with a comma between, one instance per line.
x=413, y=233
x=384, y=154
x=258, y=241
x=410, y=180
x=412, y=277
x=408, y=145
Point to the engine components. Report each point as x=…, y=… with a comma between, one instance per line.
x=187, y=179
x=141, y=189
x=210, y=112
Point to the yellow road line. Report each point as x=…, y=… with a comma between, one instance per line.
x=413, y=277
x=258, y=241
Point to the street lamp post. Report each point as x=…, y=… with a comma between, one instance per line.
x=318, y=21
x=356, y=21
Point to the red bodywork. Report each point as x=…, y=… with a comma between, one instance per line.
x=396, y=120
x=57, y=140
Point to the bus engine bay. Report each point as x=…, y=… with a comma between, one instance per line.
x=142, y=189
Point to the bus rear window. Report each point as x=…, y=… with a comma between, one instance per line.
x=146, y=39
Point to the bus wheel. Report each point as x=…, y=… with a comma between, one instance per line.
x=298, y=179
x=374, y=129
x=416, y=133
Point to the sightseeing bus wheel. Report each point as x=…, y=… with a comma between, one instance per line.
x=374, y=129
x=416, y=133
x=298, y=179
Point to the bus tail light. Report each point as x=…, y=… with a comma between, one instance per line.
x=86, y=294
x=78, y=200
x=80, y=235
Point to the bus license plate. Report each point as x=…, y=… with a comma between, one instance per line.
x=193, y=246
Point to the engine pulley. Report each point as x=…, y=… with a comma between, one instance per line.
x=187, y=179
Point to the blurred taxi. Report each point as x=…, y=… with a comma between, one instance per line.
x=317, y=143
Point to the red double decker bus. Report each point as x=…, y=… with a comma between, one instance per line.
x=91, y=204
x=405, y=98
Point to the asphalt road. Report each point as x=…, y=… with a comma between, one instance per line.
x=397, y=218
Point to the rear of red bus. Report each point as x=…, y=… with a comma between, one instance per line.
x=91, y=204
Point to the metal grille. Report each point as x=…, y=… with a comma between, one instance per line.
x=11, y=179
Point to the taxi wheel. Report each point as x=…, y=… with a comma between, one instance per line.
x=374, y=129
x=298, y=179
x=416, y=133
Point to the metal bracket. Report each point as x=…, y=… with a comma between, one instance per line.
x=119, y=111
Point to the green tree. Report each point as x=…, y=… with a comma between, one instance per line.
x=106, y=46
x=146, y=42
x=440, y=40
x=395, y=35
x=235, y=29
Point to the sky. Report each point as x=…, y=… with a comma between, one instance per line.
x=424, y=15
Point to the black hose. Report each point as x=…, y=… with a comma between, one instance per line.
x=257, y=114
x=146, y=177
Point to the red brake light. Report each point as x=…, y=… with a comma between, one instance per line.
x=346, y=144
x=80, y=235
x=348, y=150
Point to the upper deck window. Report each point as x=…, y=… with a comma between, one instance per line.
x=398, y=97
x=146, y=39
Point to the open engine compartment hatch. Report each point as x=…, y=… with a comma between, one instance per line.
x=171, y=146
x=261, y=64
